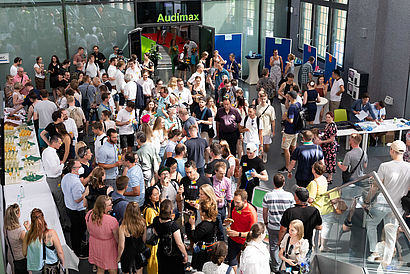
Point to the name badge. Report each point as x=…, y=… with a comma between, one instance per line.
x=245, y=164
x=193, y=187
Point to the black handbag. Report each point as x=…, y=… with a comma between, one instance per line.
x=142, y=258
x=346, y=175
x=152, y=237
x=55, y=268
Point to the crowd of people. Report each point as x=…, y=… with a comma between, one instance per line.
x=170, y=169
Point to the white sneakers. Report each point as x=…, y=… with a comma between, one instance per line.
x=264, y=157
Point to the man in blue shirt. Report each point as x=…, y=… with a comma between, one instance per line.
x=306, y=155
x=74, y=195
x=180, y=151
x=359, y=105
x=107, y=157
x=163, y=103
x=119, y=202
x=135, y=191
x=290, y=135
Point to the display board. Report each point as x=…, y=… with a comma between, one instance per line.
x=227, y=44
x=330, y=65
x=309, y=51
x=283, y=45
x=257, y=199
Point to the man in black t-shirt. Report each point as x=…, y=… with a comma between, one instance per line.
x=309, y=215
x=253, y=170
x=99, y=57
x=215, y=152
x=191, y=183
x=57, y=117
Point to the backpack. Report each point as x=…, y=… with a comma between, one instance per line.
x=78, y=119
x=167, y=245
x=257, y=121
x=237, y=171
x=300, y=123
x=159, y=186
x=114, y=212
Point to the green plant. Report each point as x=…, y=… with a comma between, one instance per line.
x=154, y=54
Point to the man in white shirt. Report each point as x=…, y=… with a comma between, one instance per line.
x=100, y=136
x=337, y=88
x=125, y=121
x=70, y=126
x=395, y=176
x=266, y=114
x=91, y=68
x=199, y=72
x=184, y=94
x=112, y=71
x=53, y=169
x=13, y=69
x=147, y=85
x=134, y=70
x=43, y=111
x=130, y=88
x=251, y=127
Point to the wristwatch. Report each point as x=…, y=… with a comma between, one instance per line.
x=240, y=234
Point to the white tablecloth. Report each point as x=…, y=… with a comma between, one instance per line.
x=37, y=195
x=385, y=126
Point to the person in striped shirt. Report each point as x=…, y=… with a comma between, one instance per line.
x=274, y=204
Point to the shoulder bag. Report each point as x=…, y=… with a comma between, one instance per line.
x=346, y=175
x=55, y=268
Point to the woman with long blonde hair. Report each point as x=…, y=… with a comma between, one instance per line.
x=103, y=229
x=15, y=234
x=132, y=236
x=172, y=84
x=38, y=235
x=159, y=136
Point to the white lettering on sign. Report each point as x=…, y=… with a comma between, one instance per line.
x=4, y=58
x=228, y=37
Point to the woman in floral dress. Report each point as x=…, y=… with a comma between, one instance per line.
x=329, y=145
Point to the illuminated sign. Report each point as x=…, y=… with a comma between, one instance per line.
x=176, y=17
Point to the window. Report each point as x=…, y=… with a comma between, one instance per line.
x=250, y=15
x=269, y=7
x=305, y=31
x=338, y=32
x=323, y=25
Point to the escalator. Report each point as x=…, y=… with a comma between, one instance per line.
x=363, y=228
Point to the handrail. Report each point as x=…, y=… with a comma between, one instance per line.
x=386, y=194
x=349, y=183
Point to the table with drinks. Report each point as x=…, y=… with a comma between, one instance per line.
x=25, y=178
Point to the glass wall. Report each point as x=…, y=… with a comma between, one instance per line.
x=29, y=32
x=231, y=16
x=102, y=25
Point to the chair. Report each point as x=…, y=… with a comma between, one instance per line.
x=340, y=115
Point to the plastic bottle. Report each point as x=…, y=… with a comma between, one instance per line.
x=22, y=191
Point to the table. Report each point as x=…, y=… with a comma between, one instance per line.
x=37, y=195
x=323, y=102
x=385, y=126
x=253, y=63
